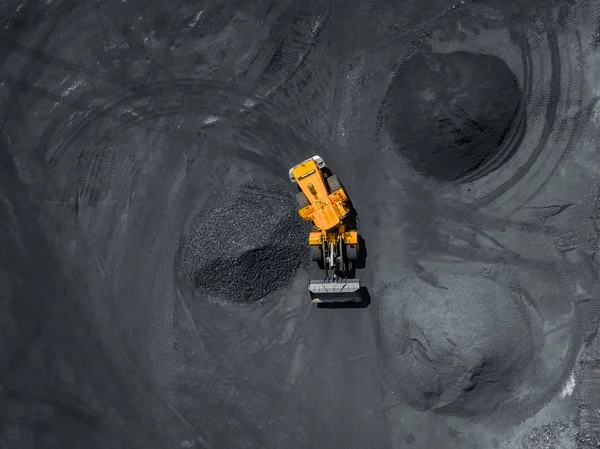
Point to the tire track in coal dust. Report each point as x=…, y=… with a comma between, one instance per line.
x=165, y=90
x=542, y=95
x=257, y=421
x=141, y=89
x=103, y=362
x=125, y=126
x=552, y=84
x=264, y=132
x=293, y=35
x=271, y=130
x=309, y=24
x=32, y=68
x=187, y=98
x=63, y=319
x=569, y=127
x=95, y=185
x=560, y=128
x=588, y=398
x=566, y=92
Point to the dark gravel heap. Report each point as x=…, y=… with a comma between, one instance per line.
x=459, y=348
x=448, y=113
x=248, y=246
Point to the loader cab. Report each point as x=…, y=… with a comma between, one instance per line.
x=318, y=160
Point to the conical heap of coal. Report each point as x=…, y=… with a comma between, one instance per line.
x=449, y=113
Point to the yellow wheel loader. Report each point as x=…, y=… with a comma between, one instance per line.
x=334, y=242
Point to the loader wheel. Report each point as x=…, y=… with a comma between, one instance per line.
x=334, y=183
x=352, y=252
x=315, y=253
x=302, y=200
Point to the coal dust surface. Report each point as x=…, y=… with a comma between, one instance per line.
x=154, y=269
x=460, y=343
x=448, y=113
x=246, y=247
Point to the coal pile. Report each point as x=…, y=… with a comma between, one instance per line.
x=248, y=246
x=461, y=347
x=448, y=114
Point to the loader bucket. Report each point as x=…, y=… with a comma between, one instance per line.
x=347, y=290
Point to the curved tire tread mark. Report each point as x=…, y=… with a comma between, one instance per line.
x=557, y=122
x=71, y=350
x=577, y=121
x=33, y=68
x=550, y=117
x=163, y=88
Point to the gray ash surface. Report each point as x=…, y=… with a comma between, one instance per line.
x=448, y=113
x=556, y=435
x=247, y=247
x=458, y=348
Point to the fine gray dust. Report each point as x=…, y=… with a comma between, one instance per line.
x=448, y=113
x=459, y=347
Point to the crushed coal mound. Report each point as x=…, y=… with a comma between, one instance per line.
x=249, y=277
x=248, y=246
x=459, y=345
x=447, y=114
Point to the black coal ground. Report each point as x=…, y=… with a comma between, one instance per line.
x=100, y=345
x=447, y=114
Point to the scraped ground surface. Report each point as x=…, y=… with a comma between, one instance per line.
x=153, y=270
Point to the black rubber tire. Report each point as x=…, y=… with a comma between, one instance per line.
x=315, y=253
x=352, y=252
x=334, y=183
x=302, y=200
